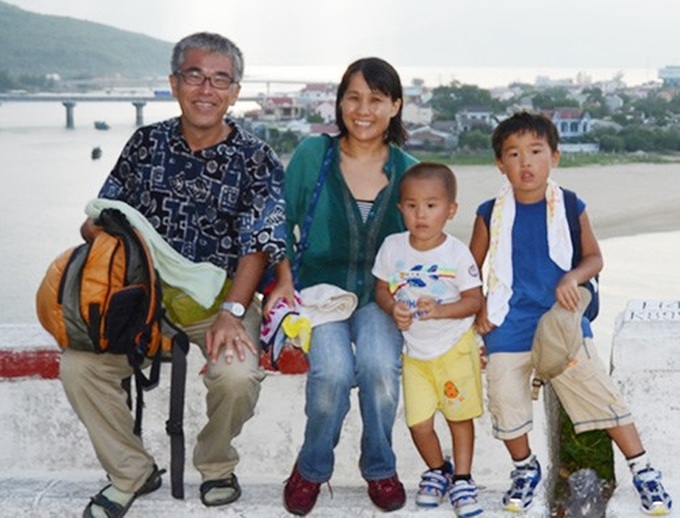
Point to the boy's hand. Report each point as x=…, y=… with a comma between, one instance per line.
x=426, y=308
x=482, y=323
x=402, y=316
x=567, y=294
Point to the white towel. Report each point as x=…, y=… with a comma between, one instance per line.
x=323, y=303
x=498, y=266
x=201, y=281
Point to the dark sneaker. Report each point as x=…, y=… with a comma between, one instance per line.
x=653, y=497
x=387, y=493
x=299, y=495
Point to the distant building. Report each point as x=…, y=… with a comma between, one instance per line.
x=281, y=108
x=324, y=109
x=416, y=109
x=315, y=92
x=670, y=75
x=320, y=129
x=429, y=138
x=474, y=117
x=613, y=102
x=570, y=122
x=418, y=114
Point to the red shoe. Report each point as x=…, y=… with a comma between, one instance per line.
x=299, y=495
x=387, y=493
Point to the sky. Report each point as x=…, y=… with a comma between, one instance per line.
x=578, y=34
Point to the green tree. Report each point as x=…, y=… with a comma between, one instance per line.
x=552, y=98
x=475, y=140
x=314, y=118
x=447, y=101
x=6, y=81
x=611, y=144
x=595, y=103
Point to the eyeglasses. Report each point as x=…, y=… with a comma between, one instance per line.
x=221, y=81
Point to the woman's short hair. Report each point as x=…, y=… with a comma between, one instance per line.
x=381, y=76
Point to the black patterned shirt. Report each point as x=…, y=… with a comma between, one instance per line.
x=216, y=204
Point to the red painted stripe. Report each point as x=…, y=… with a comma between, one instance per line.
x=40, y=363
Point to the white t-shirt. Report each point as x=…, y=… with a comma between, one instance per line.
x=441, y=273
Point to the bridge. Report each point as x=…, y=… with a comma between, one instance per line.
x=70, y=100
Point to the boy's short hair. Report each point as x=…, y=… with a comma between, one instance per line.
x=524, y=122
x=432, y=170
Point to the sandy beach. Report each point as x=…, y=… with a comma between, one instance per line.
x=635, y=211
x=622, y=200
x=625, y=200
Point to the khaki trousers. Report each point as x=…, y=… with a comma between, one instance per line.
x=93, y=387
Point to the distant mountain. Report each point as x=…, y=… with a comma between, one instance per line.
x=33, y=43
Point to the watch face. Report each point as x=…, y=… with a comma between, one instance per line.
x=235, y=308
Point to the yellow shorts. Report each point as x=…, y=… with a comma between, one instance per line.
x=451, y=383
x=588, y=394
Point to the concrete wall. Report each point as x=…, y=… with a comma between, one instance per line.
x=41, y=433
x=646, y=364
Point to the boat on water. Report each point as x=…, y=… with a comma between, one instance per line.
x=101, y=125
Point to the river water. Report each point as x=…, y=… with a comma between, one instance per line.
x=48, y=176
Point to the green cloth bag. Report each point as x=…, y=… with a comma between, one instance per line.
x=184, y=310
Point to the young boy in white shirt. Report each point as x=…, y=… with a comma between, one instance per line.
x=429, y=282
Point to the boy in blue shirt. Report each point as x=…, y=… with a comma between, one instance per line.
x=528, y=252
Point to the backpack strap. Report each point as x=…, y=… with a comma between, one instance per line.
x=116, y=223
x=303, y=242
x=592, y=285
x=571, y=208
x=486, y=211
x=174, y=426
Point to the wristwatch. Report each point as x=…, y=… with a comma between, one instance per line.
x=235, y=308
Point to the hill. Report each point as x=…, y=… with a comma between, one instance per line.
x=36, y=44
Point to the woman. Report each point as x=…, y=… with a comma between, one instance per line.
x=356, y=209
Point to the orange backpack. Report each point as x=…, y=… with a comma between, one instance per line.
x=105, y=297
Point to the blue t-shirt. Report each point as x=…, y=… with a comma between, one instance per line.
x=534, y=279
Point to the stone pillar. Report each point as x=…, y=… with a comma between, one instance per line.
x=646, y=365
x=69, y=105
x=139, y=112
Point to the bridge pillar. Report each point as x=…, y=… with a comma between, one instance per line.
x=139, y=112
x=69, y=105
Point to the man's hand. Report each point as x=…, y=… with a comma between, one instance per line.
x=228, y=334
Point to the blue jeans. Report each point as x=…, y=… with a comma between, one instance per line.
x=373, y=364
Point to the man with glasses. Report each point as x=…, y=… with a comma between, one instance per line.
x=214, y=194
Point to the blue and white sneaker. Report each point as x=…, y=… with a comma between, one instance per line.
x=653, y=497
x=463, y=495
x=433, y=486
x=520, y=496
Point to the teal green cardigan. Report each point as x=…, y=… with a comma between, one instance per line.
x=342, y=247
